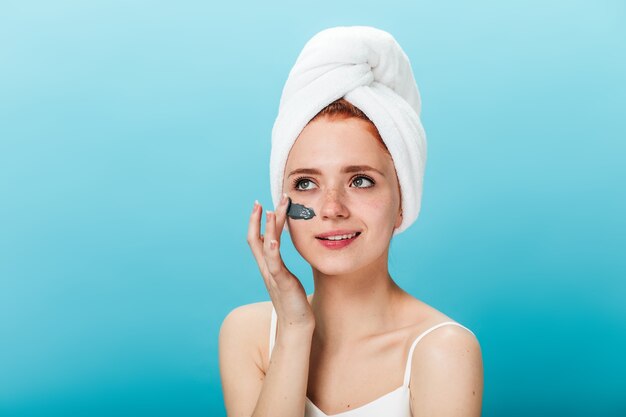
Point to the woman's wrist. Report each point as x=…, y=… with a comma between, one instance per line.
x=294, y=334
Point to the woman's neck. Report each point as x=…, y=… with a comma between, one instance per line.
x=353, y=306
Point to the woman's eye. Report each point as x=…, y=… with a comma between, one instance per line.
x=362, y=182
x=304, y=184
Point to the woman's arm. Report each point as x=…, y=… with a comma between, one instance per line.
x=247, y=390
x=285, y=385
x=282, y=391
x=447, y=375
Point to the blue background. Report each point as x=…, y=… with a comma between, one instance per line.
x=135, y=137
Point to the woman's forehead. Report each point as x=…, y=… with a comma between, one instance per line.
x=338, y=143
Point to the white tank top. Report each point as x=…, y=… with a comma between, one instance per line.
x=393, y=404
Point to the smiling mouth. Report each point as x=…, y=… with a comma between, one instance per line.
x=340, y=237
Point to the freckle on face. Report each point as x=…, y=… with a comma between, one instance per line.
x=328, y=146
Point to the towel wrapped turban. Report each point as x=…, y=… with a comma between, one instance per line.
x=368, y=68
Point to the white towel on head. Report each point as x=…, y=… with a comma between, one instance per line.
x=367, y=67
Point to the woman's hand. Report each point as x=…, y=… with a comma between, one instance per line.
x=286, y=291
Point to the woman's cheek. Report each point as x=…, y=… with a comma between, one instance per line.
x=378, y=203
x=297, y=231
x=381, y=209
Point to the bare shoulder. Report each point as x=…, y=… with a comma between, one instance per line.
x=447, y=371
x=248, y=325
x=448, y=341
x=438, y=339
x=240, y=360
x=249, y=313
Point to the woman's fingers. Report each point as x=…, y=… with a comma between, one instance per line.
x=281, y=214
x=254, y=238
x=273, y=229
x=266, y=248
x=270, y=245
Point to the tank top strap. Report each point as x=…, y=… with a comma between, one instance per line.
x=273, y=330
x=407, y=370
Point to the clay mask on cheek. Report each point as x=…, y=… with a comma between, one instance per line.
x=298, y=211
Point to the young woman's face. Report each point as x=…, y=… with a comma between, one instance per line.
x=340, y=170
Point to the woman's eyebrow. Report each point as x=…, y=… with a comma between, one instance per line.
x=348, y=169
x=357, y=168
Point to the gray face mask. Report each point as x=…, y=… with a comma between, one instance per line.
x=298, y=211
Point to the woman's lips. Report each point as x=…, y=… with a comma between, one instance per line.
x=338, y=244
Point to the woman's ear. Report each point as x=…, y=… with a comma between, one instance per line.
x=398, y=220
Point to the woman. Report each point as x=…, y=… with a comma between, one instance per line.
x=357, y=346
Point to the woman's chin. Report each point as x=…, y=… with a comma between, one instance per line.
x=334, y=267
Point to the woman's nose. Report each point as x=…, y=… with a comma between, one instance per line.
x=333, y=205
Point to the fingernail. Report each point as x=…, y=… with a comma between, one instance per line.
x=256, y=204
x=273, y=244
x=284, y=199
